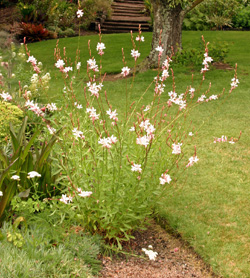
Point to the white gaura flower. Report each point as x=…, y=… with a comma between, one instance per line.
x=66, y=199
x=32, y=60
x=112, y=114
x=1, y=193
x=125, y=71
x=176, y=148
x=6, y=96
x=33, y=174
x=150, y=253
x=136, y=168
x=78, y=134
x=84, y=193
x=135, y=54
x=165, y=178
x=192, y=160
x=78, y=65
x=79, y=13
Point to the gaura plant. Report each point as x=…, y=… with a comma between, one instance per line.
x=119, y=164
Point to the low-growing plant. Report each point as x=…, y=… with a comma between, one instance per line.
x=33, y=32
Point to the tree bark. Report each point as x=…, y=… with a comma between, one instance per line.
x=167, y=25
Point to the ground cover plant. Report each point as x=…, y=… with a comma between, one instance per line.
x=110, y=165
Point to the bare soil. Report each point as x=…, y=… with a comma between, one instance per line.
x=175, y=258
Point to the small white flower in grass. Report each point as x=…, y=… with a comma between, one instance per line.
x=15, y=177
x=192, y=160
x=113, y=139
x=1, y=193
x=51, y=129
x=147, y=108
x=65, y=199
x=92, y=113
x=92, y=64
x=59, y=64
x=140, y=38
x=234, y=82
x=136, y=168
x=150, y=253
x=125, y=71
x=78, y=106
x=79, y=13
x=190, y=133
x=112, y=114
x=132, y=128
x=78, y=65
x=33, y=174
x=67, y=69
x=51, y=107
x=78, y=134
x=165, y=178
x=135, y=54
x=84, y=193
x=105, y=142
x=144, y=141
x=176, y=148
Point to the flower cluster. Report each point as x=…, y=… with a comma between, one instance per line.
x=78, y=134
x=176, y=148
x=33, y=62
x=178, y=100
x=92, y=65
x=107, y=142
x=34, y=107
x=66, y=199
x=206, y=62
x=100, y=47
x=6, y=96
x=136, y=168
x=112, y=114
x=84, y=193
x=94, y=89
x=192, y=160
x=234, y=83
x=165, y=178
x=159, y=49
x=92, y=113
x=135, y=54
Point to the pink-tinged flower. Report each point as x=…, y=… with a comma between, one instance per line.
x=125, y=71
x=84, y=193
x=165, y=178
x=191, y=92
x=164, y=75
x=192, y=160
x=78, y=134
x=79, y=13
x=234, y=82
x=220, y=140
x=136, y=168
x=59, y=64
x=150, y=253
x=113, y=139
x=176, y=148
x=112, y=114
x=201, y=98
x=33, y=174
x=78, y=65
x=159, y=89
x=6, y=96
x=67, y=69
x=213, y=97
x=160, y=49
x=15, y=177
x=190, y=133
x=100, y=47
x=166, y=63
x=51, y=129
x=66, y=199
x=51, y=107
x=105, y=142
x=92, y=64
x=78, y=106
x=135, y=54
x=144, y=140
x=92, y=113
x=94, y=89
x=32, y=60
x=140, y=38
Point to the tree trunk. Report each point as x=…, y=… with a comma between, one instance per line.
x=167, y=24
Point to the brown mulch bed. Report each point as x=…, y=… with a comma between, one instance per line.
x=175, y=258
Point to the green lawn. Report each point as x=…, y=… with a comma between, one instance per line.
x=211, y=208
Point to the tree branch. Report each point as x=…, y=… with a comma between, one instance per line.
x=194, y=4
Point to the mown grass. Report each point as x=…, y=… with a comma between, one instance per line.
x=210, y=209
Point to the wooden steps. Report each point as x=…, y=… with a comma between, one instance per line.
x=127, y=15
